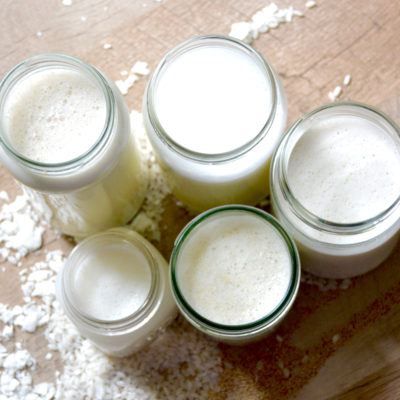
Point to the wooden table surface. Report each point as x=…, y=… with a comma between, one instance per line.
x=351, y=337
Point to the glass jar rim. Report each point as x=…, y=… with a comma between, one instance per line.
x=279, y=167
x=187, y=45
x=49, y=60
x=120, y=235
x=242, y=329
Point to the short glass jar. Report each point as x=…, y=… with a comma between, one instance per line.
x=102, y=187
x=200, y=109
x=351, y=224
x=234, y=273
x=114, y=287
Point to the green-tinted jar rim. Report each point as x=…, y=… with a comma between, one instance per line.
x=252, y=328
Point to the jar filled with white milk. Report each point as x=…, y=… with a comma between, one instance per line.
x=234, y=273
x=335, y=187
x=65, y=135
x=214, y=111
x=114, y=287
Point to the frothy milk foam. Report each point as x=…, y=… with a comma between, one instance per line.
x=345, y=169
x=213, y=99
x=235, y=269
x=112, y=283
x=54, y=115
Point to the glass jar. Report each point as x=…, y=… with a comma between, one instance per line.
x=216, y=168
x=359, y=226
x=126, y=301
x=234, y=273
x=100, y=188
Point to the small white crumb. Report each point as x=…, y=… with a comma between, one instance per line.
x=286, y=373
x=67, y=2
x=39, y=33
x=304, y=359
x=280, y=364
x=105, y=8
x=279, y=338
x=311, y=4
x=347, y=80
x=335, y=338
x=107, y=46
x=259, y=365
x=3, y=194
x=140, y=68
x=345, y=284
x=48, y=356
x=83, y=18
x=335, y=93
x=124, y=72
x=3, y=269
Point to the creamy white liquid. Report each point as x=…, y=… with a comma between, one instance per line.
x=54, y=115
x=213, y=99
x=345, y=169
x=112, y=283
x=234, y=269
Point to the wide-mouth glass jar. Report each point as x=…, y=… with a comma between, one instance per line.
x=80, y=185
x=234, y=273
x=114, y=287
x=214, y=110
x=335, y=188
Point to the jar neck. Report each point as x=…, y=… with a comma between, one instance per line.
x=281, y=159
x=48, y=62
x=205, y=41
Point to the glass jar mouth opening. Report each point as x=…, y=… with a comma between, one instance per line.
x=258, y=324
x=57, y=61
x=100, y=241
x=280, y=163
x=206, y=41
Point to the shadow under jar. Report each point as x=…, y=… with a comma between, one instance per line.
x=234, y=273
x=214, y=111
x=335, y=188
x=65, y=136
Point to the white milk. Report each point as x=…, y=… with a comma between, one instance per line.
x=214, y=111
x=345, y=170
x=342, y=165
x=55, y=115
x=213, y=99
x=57, y=109
x=234, y=270
x=112, y=283
x=114, y=287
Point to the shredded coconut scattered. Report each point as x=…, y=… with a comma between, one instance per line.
x=20, y=229
x=333, y=96
x=311, y=4
x=107, y=46
x=67, y=2
x=140, y=68
x=279, y=338
x=347, y=80
x=269, y=17
x=325, y=284
x=148, y=219
x=4, y=196
x=83, y=18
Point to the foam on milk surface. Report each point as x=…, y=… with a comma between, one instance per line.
x=54, y=115
x=212, y=99
x=235, y=269
x=345, y=169
x=112, y=283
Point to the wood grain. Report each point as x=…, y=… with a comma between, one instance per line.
x=312, y=55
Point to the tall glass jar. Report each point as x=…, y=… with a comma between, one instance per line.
x=206, y=175
x=355, y=223
x=235, y=273
x=127, y=300
x=100, y=188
